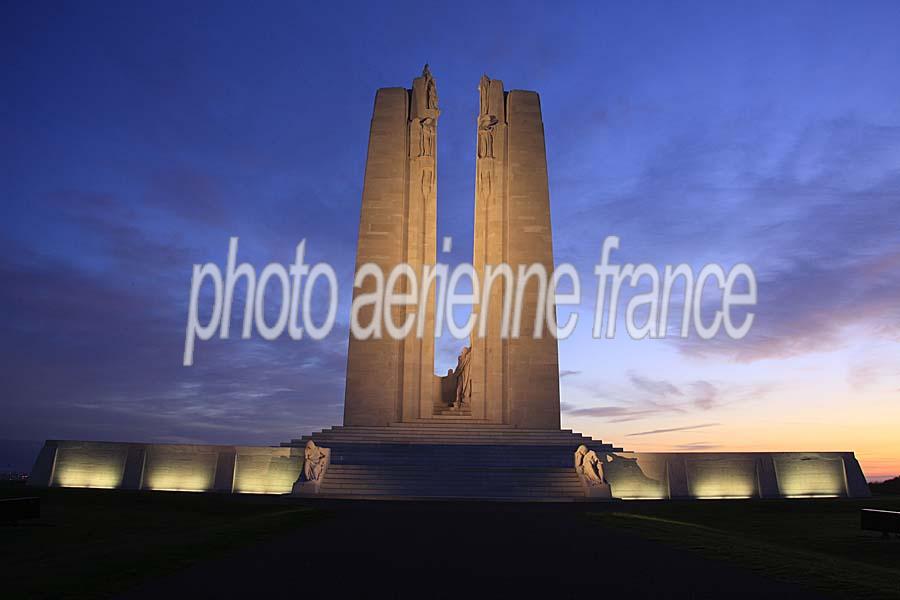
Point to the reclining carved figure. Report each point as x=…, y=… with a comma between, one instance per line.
x=589, y=466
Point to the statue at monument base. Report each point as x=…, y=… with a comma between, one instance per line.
x=463, y=379
x=315, y=463
x=589, y=467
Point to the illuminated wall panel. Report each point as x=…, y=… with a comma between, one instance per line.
x=266, y=470
x=802, y=475
x=89, y=465
x=180, y=468
x=721, y=477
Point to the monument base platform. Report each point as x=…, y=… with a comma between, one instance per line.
x=459, y=459
x=450, y=458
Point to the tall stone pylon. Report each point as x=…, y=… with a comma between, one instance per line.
x=514, y=381
x=392, y=380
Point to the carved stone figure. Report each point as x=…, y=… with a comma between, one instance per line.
x=579, y=458
x=427, y=183
x=315, y=464
x=431, y=98
x=426, y=137
x=589, y=466
x=592, y=468
x=484, y=89
x=485, y=182
x=487, y=120
x=314, y=461
x=486, y=125
x=463, y=378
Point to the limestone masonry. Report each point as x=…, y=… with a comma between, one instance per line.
x=490, y=429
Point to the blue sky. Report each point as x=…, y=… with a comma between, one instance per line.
x=138, y=139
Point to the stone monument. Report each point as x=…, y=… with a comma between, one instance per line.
x=508, y=381
x=389, y=380
x=490, y=429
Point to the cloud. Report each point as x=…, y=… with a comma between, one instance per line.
x=695, y=447
x=96, y=354
x=813, y=210
x=655, y=387
x=704, y=394
x=672, y=429
x=645, y=397
x=567, y=373
x=615, y=413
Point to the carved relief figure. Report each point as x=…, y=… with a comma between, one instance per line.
x=431, y=98
x=427, y=183
x=463, y=378
x=486, y=124
x=589, y=465
x=485, y=182
x=426, y=137
x=487, y=120
x=579, y=458
x=484, y=89
x=628, y=467
x=313, y=462
x=592, y=467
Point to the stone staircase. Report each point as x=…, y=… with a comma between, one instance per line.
x=449, y=411
x=451, y=458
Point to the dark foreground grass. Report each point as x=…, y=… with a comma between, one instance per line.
x=815, y=542
x=97, y=543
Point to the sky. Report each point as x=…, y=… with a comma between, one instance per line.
x=138, y=139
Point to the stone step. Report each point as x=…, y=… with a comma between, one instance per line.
x=388, y=496
x=534, y=484
x=325, y=440
x=443, y=470
x=482, y=466
x=521, y=446
x=416, y=489
x=448, y=476
x=341, y=456
x=430, y=428
x=570, y=447
x=478, y=476
x=425, y=435
x=436, y=461
x=451, y=490
x=470, y=424
x=523, y=468
x=463, y=427
x=451, y=483
x=416, y=483
x=487, y=471
x=442, y=418
x=455, y=440
x=452, y=457
x=450, y=493
x=470, y=474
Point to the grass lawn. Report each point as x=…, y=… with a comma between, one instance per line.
x=91, y=543
x=96, y=543
x=815, y=542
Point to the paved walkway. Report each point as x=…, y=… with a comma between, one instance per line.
x=463, y=550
